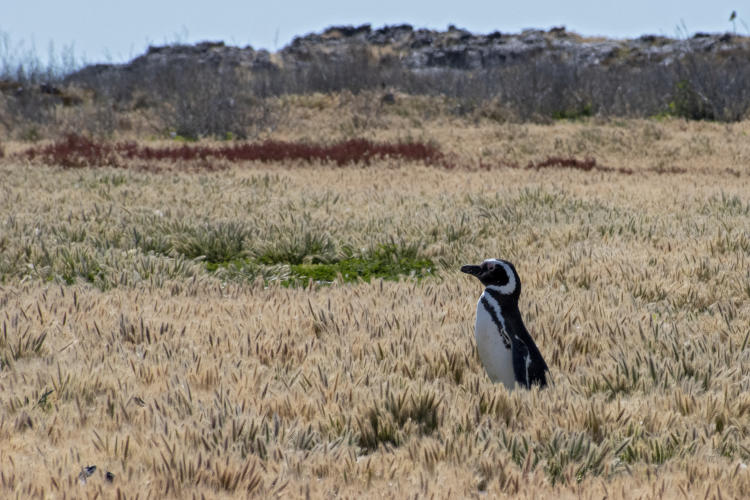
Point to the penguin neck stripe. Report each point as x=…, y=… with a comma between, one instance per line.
x=493, y=308
x=506, y=289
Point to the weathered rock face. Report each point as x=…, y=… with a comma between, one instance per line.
x=461, y=49
x=422, y=49
x=214, y=55
x=211, y=53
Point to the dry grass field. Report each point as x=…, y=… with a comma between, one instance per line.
x=207, y=333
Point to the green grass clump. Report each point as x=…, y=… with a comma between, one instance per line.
x=215, y=242
x=79, y=263
x=688, y=103
x=310, y=246
x=396, y=416
x=585, y=110
x=17, y=345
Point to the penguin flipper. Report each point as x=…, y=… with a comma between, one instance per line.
x=527, y=369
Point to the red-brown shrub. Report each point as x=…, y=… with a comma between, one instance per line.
x=75, y=151
x=78, y=151
x=587, y=165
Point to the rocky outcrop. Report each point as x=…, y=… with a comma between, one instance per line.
x=460, y=49
x=423, y=49
x=214, y=55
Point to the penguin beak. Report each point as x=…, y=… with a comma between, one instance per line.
x=473, y=270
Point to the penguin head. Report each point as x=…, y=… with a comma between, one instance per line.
x=497, y=274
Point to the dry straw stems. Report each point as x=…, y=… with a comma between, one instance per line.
x=121, y=348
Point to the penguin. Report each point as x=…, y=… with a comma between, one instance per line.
x=507, y=351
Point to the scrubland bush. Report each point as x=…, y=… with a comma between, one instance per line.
x=695, y=86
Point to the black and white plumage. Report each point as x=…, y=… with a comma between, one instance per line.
x=508, y=352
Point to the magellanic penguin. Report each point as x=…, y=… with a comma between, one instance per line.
x=508, y=352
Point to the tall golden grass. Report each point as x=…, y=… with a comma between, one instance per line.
x=119, y=351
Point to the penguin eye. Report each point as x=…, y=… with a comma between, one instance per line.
x=502, y=276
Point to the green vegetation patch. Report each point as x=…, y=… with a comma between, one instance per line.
x=387, y=261
x=580, y=112
x=354, y=268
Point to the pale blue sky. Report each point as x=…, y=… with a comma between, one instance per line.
x=101, y=30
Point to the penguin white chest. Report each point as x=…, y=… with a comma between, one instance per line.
x=495, y=354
